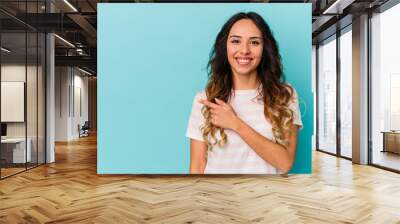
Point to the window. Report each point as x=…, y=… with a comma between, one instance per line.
x=327, y=96
x=385, y=89
x=346, y=93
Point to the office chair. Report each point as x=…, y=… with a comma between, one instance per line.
x=84, y=130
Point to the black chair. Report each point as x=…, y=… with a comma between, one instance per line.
x=84, y=130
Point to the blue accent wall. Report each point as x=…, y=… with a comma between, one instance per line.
x=152, y=61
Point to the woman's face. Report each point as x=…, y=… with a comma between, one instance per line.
x=244, y=47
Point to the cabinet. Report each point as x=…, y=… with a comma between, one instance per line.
x=391, y=141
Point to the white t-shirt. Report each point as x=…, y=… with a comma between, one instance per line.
x=236, y=157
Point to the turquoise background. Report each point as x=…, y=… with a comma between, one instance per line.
x=152, y=61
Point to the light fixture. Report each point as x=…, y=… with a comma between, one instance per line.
x=70, y=5
x=5, y=50
x=79, y=51
x=84, y=71
x=337, y=7
x=65, y=41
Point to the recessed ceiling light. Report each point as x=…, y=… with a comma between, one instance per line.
x=337, y=7
x=65, y=41
x=70, y=5
x=5, y=50
x=84, y=71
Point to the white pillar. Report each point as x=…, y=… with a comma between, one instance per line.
x=50, y=91
x=50, y=110
x=360, y=90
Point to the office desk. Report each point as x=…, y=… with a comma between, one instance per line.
x=15, y=148
x=391, y=141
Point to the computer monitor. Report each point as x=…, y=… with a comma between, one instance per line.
x=3, y=129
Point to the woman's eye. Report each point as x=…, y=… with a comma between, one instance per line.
x=235, y=41
x=255, y=43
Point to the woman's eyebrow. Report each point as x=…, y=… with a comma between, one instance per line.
x=235, y=36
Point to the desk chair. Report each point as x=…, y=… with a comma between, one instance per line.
x=84, y=130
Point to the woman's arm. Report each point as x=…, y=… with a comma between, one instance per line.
x=281, y=157
x=198, y=156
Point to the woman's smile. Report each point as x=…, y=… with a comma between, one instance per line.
x=243, y=60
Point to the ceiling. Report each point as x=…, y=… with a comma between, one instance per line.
x=76, y=22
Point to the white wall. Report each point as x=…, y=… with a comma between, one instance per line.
x=71, y=102
x=62, y=81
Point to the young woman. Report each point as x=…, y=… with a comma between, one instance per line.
x=247, y=119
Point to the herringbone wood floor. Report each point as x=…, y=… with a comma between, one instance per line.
x=70, y=191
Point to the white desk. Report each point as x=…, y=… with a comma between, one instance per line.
x=19, y=149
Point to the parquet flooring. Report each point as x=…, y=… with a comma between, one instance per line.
x=70, y=191
x=10, y=171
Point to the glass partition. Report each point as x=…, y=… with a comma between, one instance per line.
x=22, y=77
x=14, y=153
x=327, y=96
x=32, y=95
x=41, y=86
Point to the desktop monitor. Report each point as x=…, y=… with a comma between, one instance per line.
x=3, y=129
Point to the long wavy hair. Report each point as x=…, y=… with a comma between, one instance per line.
x=275, y=94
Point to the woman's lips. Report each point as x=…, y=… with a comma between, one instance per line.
x=243, y=61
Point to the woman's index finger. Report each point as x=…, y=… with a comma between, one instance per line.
x=208, y=103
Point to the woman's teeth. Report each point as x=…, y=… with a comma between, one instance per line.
x=243, y=61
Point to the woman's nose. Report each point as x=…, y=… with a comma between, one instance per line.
x=245, y=49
